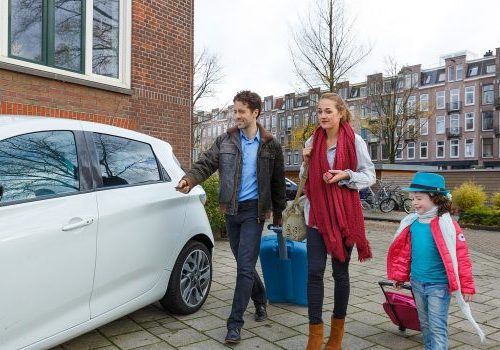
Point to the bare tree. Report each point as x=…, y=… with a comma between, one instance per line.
x=207, y=74
x=396, y=116
x=324, y=49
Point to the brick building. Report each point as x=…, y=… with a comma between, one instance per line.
x=122, y=62
x=461, y=129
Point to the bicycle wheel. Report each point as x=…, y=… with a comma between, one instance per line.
x=407, y=206
x=387, y=205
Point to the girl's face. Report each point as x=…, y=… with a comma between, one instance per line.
x=421, y=202
x=328, y=114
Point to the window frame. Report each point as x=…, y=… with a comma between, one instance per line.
x=443, y=118
x=426, y=147
x=444, y=149
x=88, y=78
x=482, y=148
x=492, y=120
x=470, y=90
x=424, y=102
x=487, y=93
x=422, y=122
x=438, y=97
x=473, y=148
x=454, y=143
x=473, y=118
x=410, y=146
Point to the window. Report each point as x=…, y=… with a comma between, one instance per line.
x=487, y=148
x=124, y=161
x=487, y=120
x=282, y=123
x=469, y=95
x=453, y=148
x=424, y=126
x=441, y=76
x=440, y=127
x=473, y=70
x=296, y=121
x=411, y=150
x=491, y=68
x=289, y=122
x=410, y=127
x=454, y=99
x=451, y=73
x=364, y=111
x=412, y=104
x=64, y=37
x=362, y=91
x=424, y=102
x=469, y=121
x=385, y=152
x=439, y=149
x=459, y=72
x=455, y=124
x=440, y=101
x=488, y=94
x=407, y=81
x=399, y=151
x=469, y=147
x=273, y=121
x=373, y=151
x=37, y=165
x=424, y=154
x=296, y=157
x=288, y=158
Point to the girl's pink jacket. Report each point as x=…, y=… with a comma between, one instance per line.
x=399, y=258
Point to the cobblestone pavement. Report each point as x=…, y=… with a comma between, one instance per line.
x=367, y=326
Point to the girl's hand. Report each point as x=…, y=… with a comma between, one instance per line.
x=336, y=176
x=467, y=297
x=306, y=154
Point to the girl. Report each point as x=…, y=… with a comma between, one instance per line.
x=430, y=251
x=339, y=165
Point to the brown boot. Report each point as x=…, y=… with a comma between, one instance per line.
x=315, y=340
x=336, y=334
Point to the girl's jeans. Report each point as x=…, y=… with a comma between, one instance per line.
x=433, y=301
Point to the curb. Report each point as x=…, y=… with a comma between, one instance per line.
x=378, y=218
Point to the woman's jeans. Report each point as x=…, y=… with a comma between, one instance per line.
x=433, y=301
x=316, y=259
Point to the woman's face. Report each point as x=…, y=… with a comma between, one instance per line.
x=328, y=114
x=421, y=202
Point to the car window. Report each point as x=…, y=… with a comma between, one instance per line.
x=37, y=165
x=124, y=161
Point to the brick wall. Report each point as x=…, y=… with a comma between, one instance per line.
x=160, y=104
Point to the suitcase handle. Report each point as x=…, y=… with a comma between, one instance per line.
x=282, y=250
x=383, y=284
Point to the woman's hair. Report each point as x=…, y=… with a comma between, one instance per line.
x=339, y=104
x=442, y=202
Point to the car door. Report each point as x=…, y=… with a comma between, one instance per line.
x=48, y=219
x=141, y=217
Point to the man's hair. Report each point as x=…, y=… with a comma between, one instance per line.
x=251, y=99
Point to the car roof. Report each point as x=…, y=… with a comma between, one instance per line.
x=20, y=123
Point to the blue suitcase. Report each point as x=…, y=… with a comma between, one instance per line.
x=284, y=270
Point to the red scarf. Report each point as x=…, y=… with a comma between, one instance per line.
x=336, y=210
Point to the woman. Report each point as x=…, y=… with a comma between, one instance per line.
x=339, y=165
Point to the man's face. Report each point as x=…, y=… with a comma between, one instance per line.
x=244, y=116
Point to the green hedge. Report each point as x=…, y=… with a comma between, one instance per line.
x=216, y=218
x=481, y=216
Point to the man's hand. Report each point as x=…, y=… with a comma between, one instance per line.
x=333, y=176
x=467, y=297
x=183, y=186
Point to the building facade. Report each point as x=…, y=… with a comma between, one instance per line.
x=460, y=101
x=121, y=62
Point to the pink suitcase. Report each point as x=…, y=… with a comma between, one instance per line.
x=401, y=307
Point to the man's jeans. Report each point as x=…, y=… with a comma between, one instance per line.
x=244, y=232
x=433, y=301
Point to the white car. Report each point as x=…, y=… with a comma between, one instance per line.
x=91, y=229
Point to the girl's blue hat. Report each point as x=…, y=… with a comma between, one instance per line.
x=427, y=182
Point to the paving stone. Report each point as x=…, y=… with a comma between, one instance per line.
x=156, y=346
x=206, y=323
x=121, y=326
x=219, y=334
x=273, y=332
x=256, y=343
x=207, y=344
x=297, y=342
x=183, y=337
x=392, y=342
x=91, y=340
x=134, y=340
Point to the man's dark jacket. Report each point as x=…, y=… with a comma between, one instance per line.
x=225, y=155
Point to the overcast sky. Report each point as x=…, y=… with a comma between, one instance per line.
x=252, y=37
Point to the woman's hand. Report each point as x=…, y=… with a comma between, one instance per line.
x=306, y=154
x=467, y=297
x=333, y=176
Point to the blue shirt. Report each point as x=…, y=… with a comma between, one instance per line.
x=426, y=263
x=248, y=184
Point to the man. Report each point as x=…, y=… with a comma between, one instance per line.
x=252, y=181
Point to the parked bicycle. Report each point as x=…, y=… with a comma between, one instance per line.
x=373, y=200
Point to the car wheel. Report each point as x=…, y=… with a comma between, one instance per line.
x=190, y=280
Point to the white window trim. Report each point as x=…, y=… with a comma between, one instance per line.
x=420, y=126
x=408, y=150
x=397, y=147
x=427, y=102
x=473, y=95
x=125, y=33
x=473, y=121
x=458, y=149
x=444, y=124
x=473, y=148
x=420, y=150
x=482, y=122
x=444, y=100
x=444, y=150
x=482, y=150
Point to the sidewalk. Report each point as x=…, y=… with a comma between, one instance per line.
x=367, y=326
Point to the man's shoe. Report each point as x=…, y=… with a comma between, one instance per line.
x=260, y=313
x=233, y=335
